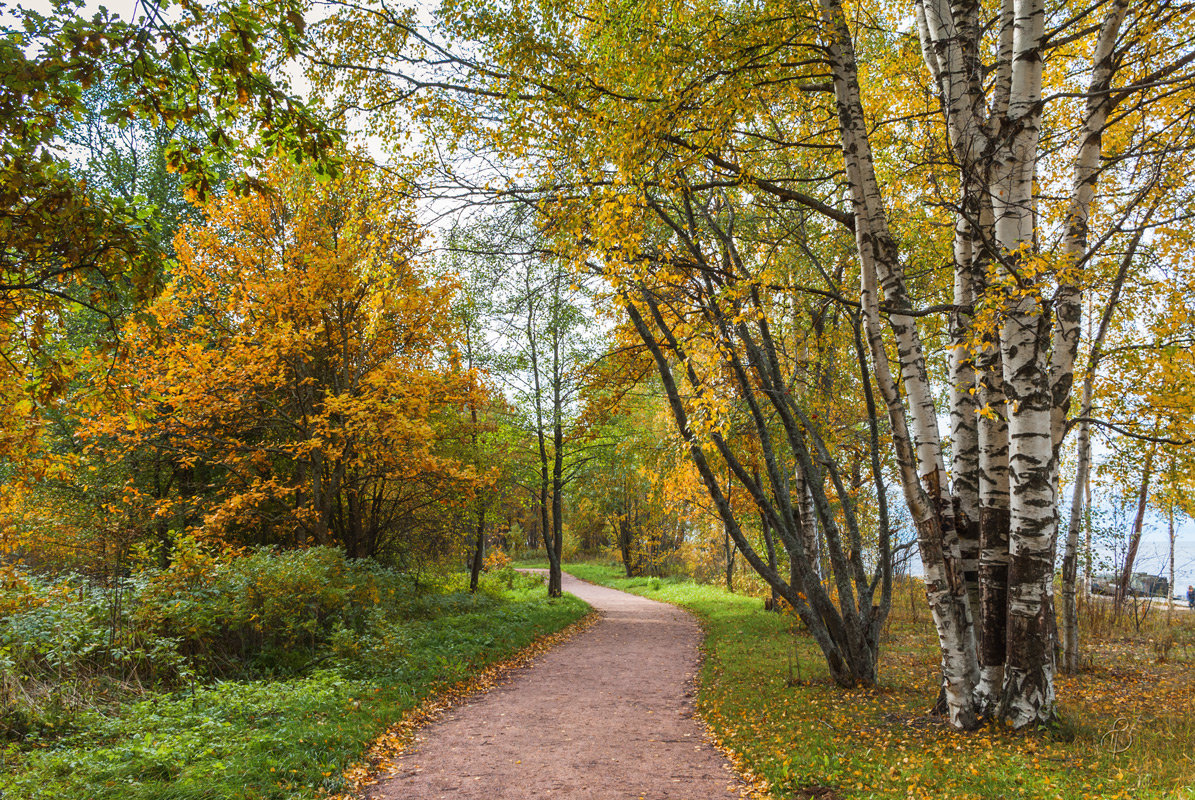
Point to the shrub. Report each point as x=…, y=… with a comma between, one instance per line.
x=268, y=610
x=495, y=560
x=63, y=643
x=73, y=646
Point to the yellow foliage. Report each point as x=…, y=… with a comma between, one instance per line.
x=294, y=380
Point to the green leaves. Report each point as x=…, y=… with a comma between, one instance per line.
x=285, y=738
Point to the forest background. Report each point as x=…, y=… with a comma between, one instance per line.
x=307, y=309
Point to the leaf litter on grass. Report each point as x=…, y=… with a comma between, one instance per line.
x=396, y=740
x=810, y=736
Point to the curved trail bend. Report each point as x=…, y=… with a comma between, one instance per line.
x=605, y=716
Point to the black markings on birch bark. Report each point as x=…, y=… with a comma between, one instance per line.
x=919, y=450
x=1069, y=298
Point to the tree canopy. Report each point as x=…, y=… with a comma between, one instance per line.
x=806, y=284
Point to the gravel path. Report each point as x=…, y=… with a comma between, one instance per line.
x=606, y=715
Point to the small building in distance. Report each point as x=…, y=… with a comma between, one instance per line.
x=1141, y=584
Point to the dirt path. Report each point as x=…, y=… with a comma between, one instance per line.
x=608, y=714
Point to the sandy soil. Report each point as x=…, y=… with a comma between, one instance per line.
x=606, y=715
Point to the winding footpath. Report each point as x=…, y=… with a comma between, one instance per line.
x=608, y=714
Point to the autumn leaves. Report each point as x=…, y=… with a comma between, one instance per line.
x=291, y=382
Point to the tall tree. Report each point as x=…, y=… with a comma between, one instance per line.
x=84, y=234
x=540, y=319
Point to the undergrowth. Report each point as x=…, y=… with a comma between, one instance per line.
x=262, y=679
x=1128, y=720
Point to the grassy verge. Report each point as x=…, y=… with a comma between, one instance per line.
x=289, y=738
x=765, y=693
x=530, y=559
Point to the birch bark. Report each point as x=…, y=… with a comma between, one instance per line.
x=1027, y=694
x=1070, y=557
x=919, y=450
x=964, y=428
x=950, y=35
x=1069, y=297
x=1069, y=311
x=1014, y=467
x=1170, y=562
x=993, y=526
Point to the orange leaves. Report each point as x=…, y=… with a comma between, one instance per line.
x=294, y=361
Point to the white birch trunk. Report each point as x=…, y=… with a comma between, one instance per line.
x=993, y=527
x=1028, y=690
x=1002, y=86
x=950, y=35
x=1070, y=556
x=964, y=431
x=1027, y=695
x=919, y=451
x=1068, y=308
x=1170, y=574
x=808, y=518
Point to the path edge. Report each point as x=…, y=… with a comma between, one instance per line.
x=397, y=738
x=754, y=785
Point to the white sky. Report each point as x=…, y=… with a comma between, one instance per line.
x=122, y=8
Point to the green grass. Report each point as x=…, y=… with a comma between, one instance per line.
x=767, y=696
x=286, y=738
x=531, y=559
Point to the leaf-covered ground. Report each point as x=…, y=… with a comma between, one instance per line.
x=1128, y=728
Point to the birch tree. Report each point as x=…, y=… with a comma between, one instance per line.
x=1032, y=300
x=1046, y=132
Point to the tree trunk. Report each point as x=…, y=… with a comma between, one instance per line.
x=1027, y=696
x=1170, y=562
x=964, y=419
x=555, y=588
x=918, y=446
x=848, y=637
x=993, y=529
x=1130, y=556
x=807, y=519
x=769, y=545
x=479, y=543
x=546, y=529
x=1068, y=311
x=728, y=547
x=1082, y=486
x=625, y=540
x=728, y=550
x=478, y=549
x=557, y=544
x=355, y=525
x=1070, y=556
x=1087, y=551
